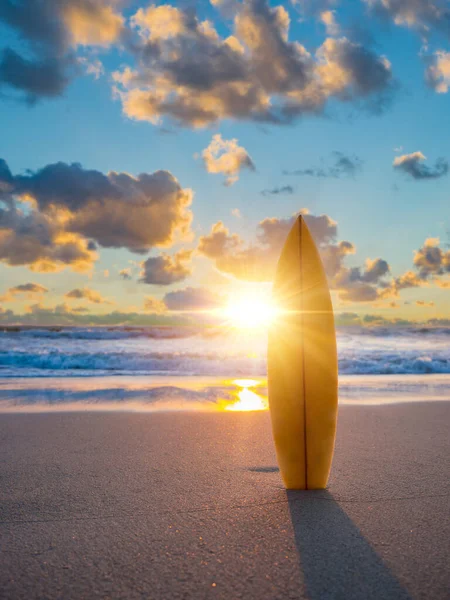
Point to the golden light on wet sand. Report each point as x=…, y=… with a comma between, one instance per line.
x=247, y=399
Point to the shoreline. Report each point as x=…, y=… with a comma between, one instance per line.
x=204, y=394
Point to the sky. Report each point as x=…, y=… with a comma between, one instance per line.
x=154, y=156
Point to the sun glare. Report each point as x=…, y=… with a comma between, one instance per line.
x=247, y=400
x=249, y=311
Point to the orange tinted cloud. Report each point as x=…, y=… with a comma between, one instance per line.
x=226, y=157
x=92, y=22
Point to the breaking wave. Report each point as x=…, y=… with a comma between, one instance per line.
x=68, y=352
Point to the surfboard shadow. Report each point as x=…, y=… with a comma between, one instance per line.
x=338, y=563
x=264, y=469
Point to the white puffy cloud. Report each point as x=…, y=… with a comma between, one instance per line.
x=226, y=157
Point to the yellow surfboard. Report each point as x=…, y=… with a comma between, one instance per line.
x=302, y=365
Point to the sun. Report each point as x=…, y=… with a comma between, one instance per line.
x=250, y=310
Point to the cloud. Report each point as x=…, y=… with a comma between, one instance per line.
x=27, y=289
x=126, y=274
x=314, y=7
x=57, y=215
x=154, y=305
x=442, y=283
x=186, y=72
x=408, y=280
x=193, y=299
x=431, y=264
x=166, y=269
x=412, y=165
x=63, y=314
x=257, y=262
x=37, y=78
x=92, y=23
x=116, y=210
x=284, y=189
x=361, y=285
x=430, y=260
x=50, y=32
x=424, y=304
x=437, y=73
x=91, y=66
x=226, y=157
x=40, y=242
x=424, y=16
x=87, y=294
x=328, y=18
x=343, y=166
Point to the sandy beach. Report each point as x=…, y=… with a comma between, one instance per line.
x=191, y=505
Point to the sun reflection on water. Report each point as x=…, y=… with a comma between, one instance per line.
x=247, y=399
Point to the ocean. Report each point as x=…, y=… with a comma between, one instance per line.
x=163, y=368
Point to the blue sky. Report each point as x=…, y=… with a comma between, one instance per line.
x=384, y=212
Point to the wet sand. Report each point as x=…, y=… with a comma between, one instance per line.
x=191, y=505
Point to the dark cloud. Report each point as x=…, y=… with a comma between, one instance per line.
x=343, y=166
x=116, y=210
x=27, y=289
x=36, y=21
x=284, y=189
x=40, y=241
x=74, y=209
x=166, y=269
x=431, y=261
x=52, y=30
x=431, y=264
x=412, y=165
x=193, y=299
x=36, y=78
x=185, y=71
x=361, y=285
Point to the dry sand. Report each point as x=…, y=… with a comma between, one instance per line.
x=191, y=505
